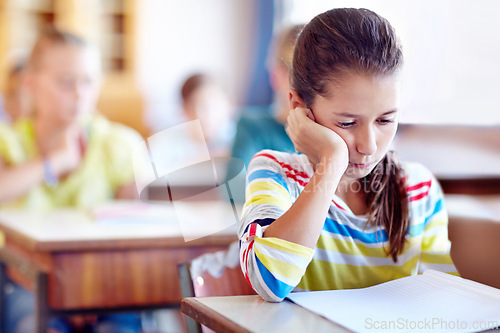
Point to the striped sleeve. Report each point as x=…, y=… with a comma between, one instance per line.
x=435, y=243
x=272, y=266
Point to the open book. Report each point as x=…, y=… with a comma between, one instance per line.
x=433, y=302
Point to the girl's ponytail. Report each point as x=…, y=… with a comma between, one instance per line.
x=387, y=201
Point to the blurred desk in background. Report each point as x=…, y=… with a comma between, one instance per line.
x=476, y=206
x=471, y=185
x=76, y=263
x=465, y=159
x=203, y=192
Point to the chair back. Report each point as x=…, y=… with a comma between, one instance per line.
x=213, y=274
x=475, y=248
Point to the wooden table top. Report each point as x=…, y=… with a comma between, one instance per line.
x=118, y=225
x=253, y=314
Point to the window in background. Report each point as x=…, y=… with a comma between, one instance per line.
x=451, y=52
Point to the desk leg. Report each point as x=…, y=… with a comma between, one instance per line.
x=42, y=311
x=3, y=280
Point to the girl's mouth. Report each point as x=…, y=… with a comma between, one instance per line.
x=361, y=165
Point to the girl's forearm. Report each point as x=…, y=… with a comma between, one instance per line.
x=303, y=222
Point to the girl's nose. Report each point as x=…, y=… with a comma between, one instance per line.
x=366, y=143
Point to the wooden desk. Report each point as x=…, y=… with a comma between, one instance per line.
x=463, y=158
x=253, y=314
x=75, y=264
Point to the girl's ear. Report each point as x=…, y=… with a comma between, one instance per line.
x=295, y=100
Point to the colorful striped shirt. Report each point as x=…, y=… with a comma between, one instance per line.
x=349, y=253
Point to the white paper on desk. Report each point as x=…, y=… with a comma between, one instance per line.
x=434, y=302
x=134, y=212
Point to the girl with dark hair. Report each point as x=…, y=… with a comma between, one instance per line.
x=344, y=213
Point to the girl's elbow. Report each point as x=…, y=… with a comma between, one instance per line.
x=272, y=300
x=268, y=296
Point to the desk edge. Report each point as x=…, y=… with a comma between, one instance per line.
x=18, y=237
x=111, y=244
x=212, y=319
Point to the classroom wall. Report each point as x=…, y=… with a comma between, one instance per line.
x=177, y=38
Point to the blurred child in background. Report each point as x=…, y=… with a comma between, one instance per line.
x=264, y=128
x=206, y=133
x=64, y=154
x=204, y=99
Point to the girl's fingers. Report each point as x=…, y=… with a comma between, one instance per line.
x=297, y=115
x=299, y=119
x=310, y=115
x=292, y=116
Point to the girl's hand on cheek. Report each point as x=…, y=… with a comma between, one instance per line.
x=318, y=142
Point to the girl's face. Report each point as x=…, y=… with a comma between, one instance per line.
x=211, y=105
x=362, y=110
x=65, y=84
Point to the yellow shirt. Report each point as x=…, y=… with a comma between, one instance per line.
x=106, y=165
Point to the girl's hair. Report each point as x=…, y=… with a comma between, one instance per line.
x=49, y=37
x=348, y=40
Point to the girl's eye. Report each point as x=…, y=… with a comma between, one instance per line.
x=347, y=124
x=385, y=121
